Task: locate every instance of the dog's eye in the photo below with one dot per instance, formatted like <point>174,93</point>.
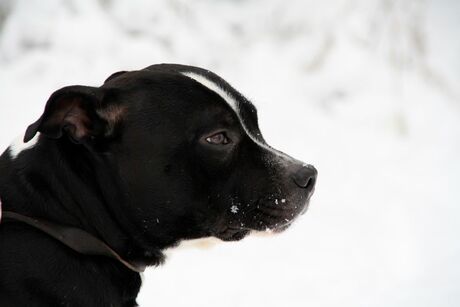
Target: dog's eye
<point>218,139</point>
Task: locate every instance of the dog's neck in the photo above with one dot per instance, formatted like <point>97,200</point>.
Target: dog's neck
<point>61,182</point>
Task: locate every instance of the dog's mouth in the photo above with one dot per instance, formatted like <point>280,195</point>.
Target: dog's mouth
<point>269,215</point>
<point>276,214</point>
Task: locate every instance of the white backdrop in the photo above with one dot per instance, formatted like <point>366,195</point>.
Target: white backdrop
<point>366,90</point>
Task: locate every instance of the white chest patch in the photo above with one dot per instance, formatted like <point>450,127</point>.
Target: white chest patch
<point>19,146</point>
<point>195,244</point>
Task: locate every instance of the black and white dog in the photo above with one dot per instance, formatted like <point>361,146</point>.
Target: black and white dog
<point>110,176</point>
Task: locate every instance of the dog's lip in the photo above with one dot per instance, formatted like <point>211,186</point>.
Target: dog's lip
<point>279,220</point>
<point>232,233</point>
<point>305,208</point>
<point>280,227</point>
<point>279,217</point>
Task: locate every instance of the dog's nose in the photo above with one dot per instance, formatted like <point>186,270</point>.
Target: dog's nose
<point>305,177</point>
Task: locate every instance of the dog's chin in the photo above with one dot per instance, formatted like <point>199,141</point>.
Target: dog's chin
<point>237,234</point>
<point>232,234</point>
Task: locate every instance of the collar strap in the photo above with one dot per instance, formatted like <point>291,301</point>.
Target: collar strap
<point>75,238</point>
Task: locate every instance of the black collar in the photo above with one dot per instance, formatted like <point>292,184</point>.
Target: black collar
<point>75,238</point>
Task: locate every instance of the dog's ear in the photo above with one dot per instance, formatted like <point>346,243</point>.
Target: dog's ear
<point>72,110</point>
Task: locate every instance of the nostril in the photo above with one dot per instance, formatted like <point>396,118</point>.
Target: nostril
<point>305,177</point>
<point>311,183</point>
<point>305,182</point>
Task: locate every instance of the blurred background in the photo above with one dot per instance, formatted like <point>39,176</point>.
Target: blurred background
<point>366,90</point>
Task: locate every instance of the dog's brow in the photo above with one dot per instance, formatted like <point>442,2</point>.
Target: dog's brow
<point>215,88</point>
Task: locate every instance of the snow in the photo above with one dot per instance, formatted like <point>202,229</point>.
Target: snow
<point>366,90</point>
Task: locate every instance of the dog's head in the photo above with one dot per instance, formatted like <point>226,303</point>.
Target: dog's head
<point>186,151</point>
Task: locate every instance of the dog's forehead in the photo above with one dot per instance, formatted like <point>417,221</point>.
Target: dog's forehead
<point>212,82</point>
<point>237,102</point>
<point>216,88</point>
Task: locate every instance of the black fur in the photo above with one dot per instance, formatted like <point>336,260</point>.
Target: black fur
<point>129,163</point>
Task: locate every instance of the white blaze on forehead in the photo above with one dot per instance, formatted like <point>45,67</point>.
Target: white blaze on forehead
<point>19,146</point>
<point>227,97</point>
<point>216,89</point>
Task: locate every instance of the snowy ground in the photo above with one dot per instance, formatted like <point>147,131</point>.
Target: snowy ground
<point>366,90</point>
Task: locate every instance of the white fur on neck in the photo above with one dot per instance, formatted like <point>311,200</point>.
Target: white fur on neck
<point>19,146</point>
<point>204,243</point>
